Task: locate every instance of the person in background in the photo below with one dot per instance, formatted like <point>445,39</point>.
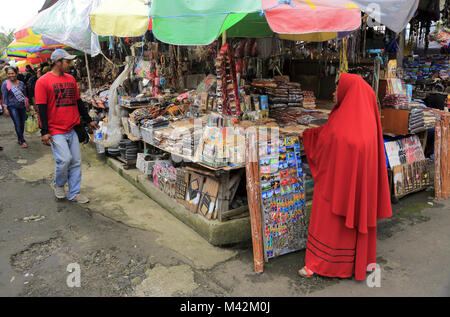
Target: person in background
<point>21,77</point>
<point>29,73</point>
<point>60,107</point>
<point>347,161</point>
<point>45,68</point>
<point>73,72</point>
<point>31,84</point>
<point>15,102</point>
<point>2,78</point>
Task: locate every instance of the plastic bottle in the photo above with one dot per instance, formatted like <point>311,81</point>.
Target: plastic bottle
<point>98,139</point>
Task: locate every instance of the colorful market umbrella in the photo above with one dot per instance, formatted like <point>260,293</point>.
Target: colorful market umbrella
<point>30,54</point>
<point>25,34</point>
<point>203,21</point>
<point>22,49</point>
<point>121,18</point>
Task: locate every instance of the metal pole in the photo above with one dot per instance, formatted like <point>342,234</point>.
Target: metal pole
<point>88,74</point>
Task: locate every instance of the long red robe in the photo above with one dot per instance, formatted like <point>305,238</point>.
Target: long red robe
<point>347,162</point>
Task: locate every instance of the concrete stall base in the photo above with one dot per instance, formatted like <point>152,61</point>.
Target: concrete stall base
<point>215,232</point>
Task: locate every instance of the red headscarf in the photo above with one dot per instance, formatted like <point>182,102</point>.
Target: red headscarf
<point>347,159</point>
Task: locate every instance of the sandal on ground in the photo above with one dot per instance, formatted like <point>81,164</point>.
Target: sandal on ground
<point>24,145</point>
<point>305,272</point>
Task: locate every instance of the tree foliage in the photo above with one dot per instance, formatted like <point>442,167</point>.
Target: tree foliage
<point>6,37</point>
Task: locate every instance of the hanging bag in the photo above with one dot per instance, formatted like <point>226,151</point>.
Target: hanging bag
<point>81,130</point>
<point>31,124</point>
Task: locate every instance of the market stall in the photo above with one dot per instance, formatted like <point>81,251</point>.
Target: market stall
<point>182,114</point>
<point>192,141</point>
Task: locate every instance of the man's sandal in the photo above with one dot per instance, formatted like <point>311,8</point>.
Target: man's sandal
<point>305,272</point>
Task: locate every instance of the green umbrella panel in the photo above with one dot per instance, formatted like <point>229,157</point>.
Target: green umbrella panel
<point>173,23</point>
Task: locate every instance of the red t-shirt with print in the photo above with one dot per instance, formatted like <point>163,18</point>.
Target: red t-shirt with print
<point>60,93</point>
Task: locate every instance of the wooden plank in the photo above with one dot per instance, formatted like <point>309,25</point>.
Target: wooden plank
<point>132,137</point>
<point>200,171</point>
<point>207,204</point>
<point>195,187</point>
<point>437,161</point>
<point>187,177</point>
<point>223,196</point>
<point>425,139</point>
<point>448,154</point>
<point>254,198</point>
<point>136,106</point>
<point>397,181</point>
<point>235,212</point>
<point>444,158</point>
<point>395,121</point>
<point>234,184</point>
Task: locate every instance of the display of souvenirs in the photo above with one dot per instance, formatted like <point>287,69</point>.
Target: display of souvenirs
<point>211,148</point>
<point>221,146</point>
<point>424,67</point>
<point>135,101</point>
<point>283,197</point>
<point>142,115</point>
<point>164,177</point>
<point>420,120</point>
<point>208,84</point>
<point>228,102</point>
<point>395,87</point>
<point>396,94</point>
<point>396,101</point>
<point>404,150</point>
<point>309,100</point>
<point>143,69</point>
<point>411,177</point>
<point>191,141</point>
<point>392,69</point>
<point>280,94</point>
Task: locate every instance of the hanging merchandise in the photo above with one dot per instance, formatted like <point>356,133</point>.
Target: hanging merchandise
<point>343,63</point>
<point>404,150</point>
<point>411,177</point>
<point>227,88</point>
<point>143,69</point>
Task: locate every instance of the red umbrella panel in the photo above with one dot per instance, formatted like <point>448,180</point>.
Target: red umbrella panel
<point>310,16</point>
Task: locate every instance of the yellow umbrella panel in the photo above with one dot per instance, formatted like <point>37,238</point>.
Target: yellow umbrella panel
<point>120,18</point>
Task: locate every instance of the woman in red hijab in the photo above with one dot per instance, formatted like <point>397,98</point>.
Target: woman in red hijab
<point>351,191</point>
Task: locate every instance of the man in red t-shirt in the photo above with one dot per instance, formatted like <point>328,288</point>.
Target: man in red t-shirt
<point>60,108</point>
